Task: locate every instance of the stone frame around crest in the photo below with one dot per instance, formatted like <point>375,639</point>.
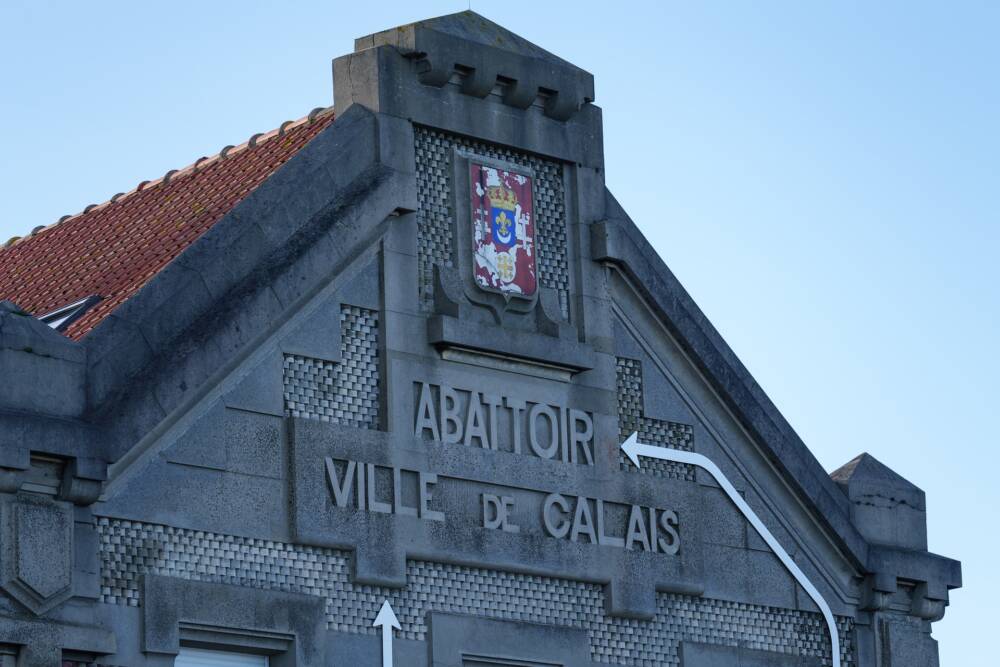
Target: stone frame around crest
<point>461,195</point>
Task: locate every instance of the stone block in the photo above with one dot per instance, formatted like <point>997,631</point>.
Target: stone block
<point>129,421</point>
<point>886,509</point>
<point>694,654</point>
<point>330,163</point>
<point>201,445</point>
<point>363,287</point>
<point>630,596</point>
<point>20,331</point>
<point>42,642</point>
<point>246,317</point>
<point>260,390</point>
<point>166,305</point>
<point>36,551</point>
<point>749,576</point>
<point>226,253</point>
<point>906,642</point>
<point>318,334</point>
<point>40,384</point>
<point>445,331</point>
<point>307,261</point>
<point>118,351</point>
<point>720,522</point>
<point>479,642</point>
<point>176,379</point>
<point>233,609</point>
<point>43,371</point>
<point>254,444</point>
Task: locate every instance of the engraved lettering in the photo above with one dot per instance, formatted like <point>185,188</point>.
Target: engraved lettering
<point>426,480</point>
<point>580,519</point>
<point>475,422</point>
<point>652,530</point>
<point>494,403</point>
<point>451,423</point>
<point>636,530</point>
<point>361,486</point>
<point>583,523</point>
<point>553,516</point>
<point>581,440</point>
<point>545,451</point>
<point>496,513</point>
<point>517,409</point>
<point>602,536</point>
<point>341,490</point>
<point>374,504</point>
<point>669,524</point>
<point>503,423</point>
<point>397,495</point>
<point>426,419</point>
<point>564,454</point>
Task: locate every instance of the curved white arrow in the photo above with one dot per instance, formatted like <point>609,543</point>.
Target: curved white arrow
<point>634,449</point>
<point>387,620</point>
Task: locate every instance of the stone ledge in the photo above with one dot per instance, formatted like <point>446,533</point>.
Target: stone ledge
<point>43,641</point>
<point>445,332</point>
<point>169,603</point>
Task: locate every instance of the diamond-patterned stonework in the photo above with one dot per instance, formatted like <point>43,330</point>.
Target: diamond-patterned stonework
<point>651,431</point>
<point>345,392</point>
<point>436,219</point>
<point>130,549</point>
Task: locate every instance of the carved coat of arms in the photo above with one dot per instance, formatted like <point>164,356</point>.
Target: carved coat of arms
<point>503,231</point>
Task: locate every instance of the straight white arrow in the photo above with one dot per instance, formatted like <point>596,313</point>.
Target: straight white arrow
<point>634,449</point>
<point>387,620</point>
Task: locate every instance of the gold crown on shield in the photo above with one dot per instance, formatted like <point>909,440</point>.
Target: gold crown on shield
<point>501,197</point>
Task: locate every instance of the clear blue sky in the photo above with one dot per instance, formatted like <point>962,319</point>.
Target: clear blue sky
<point>823,177</point>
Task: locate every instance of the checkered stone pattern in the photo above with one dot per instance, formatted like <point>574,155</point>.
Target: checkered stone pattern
<point>131,549</point>
<point>651,431</point>
<point>436,219</point>
<point>344,392</point>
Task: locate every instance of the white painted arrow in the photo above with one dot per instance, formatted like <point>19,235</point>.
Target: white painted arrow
<point>387,620</point>
<point>634,449</point>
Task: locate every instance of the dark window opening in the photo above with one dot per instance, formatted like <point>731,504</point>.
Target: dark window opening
<point>60,318</point>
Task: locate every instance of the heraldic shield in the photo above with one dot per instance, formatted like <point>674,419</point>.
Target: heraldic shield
<point>503,231</point>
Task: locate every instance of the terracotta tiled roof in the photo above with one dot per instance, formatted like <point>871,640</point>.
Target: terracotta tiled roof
<point>113,249</point>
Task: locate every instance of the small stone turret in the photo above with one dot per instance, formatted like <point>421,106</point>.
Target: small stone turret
<point>465,73</point>
<point>886,509</point>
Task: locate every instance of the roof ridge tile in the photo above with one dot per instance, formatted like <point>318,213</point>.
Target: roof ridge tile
<point>226,152</point>
<point>114,248</point>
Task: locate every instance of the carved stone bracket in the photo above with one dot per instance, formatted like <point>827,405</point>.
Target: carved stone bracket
<point>83,480</point>
<point>928,604</point>
<point>877,591</point>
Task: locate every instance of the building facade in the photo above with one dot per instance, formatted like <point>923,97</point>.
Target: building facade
<point>401,381</point>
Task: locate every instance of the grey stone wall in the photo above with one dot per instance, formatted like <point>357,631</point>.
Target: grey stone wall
<point>222,483</point>
<point>436,220</point>
<point>344,392</point>
<point>131,549</point>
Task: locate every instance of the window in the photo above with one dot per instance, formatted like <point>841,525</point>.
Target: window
<point>198,657</point>
<point>60,318</point>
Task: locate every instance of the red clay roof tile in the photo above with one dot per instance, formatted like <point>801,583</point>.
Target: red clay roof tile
<point>112,250</point>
